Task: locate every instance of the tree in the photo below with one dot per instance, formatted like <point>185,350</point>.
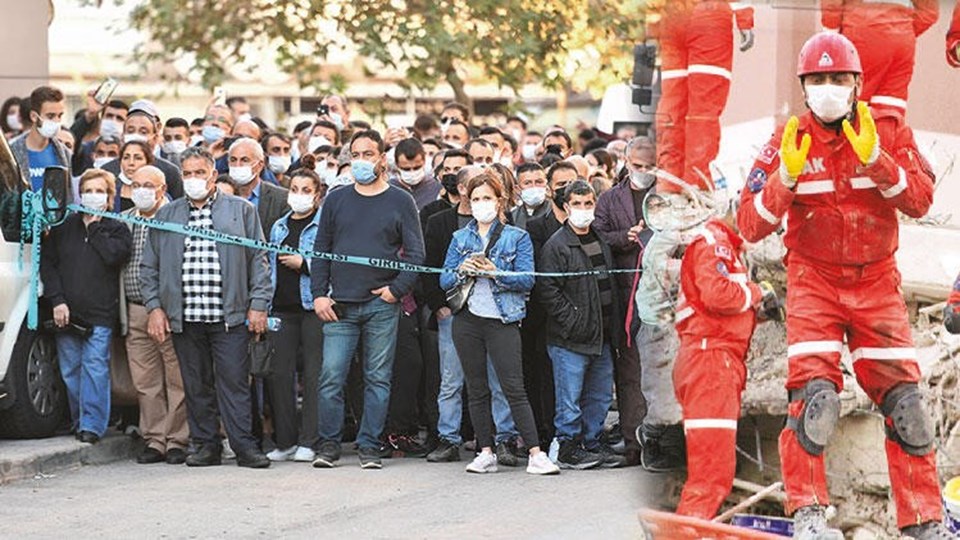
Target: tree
<point>577,44</point>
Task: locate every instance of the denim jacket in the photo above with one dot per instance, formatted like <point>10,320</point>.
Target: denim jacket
<point>513,252</point>
<point>278,234</point>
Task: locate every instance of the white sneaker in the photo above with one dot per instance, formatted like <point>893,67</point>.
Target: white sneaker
<point>282,455</point>
<point>227,452</point>
<point>539,463</point>
<point>304,453</point>
<point>484,463</point>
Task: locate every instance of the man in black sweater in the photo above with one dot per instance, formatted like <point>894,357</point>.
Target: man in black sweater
<point>369,219</point>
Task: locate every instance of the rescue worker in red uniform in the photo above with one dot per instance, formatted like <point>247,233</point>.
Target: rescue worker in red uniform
<point>885,33</point>
<point>696,58</point>
<point>953,38</point>
<point>715,319</point>
<point>842,172</point>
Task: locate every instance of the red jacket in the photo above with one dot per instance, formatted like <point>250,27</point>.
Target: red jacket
<point>953,37</point>
<point>716,300</point>
<point>657,9</point>
<point>839,15</point>
<point>839,213</point>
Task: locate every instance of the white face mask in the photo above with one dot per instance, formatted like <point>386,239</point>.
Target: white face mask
<point>642,180</point>
<point>134,137</point>
<point>144,198</point>
<point>454,144</point>
<point>412,178</point>
<point>196,188</point>
<point>241,175</point>
<point>300,203</point>
<point>329,176</point>
<point>533,196</point>
<point>174,147</point>
<point>529,152</point>
<point>279,164</point>
<point>94,201</point>
<point>99,162</point>
<point>829,102</point>
<point>317,142</point>
<point>124,179</point>
<point>484,211</point>
<point>580,218</point>
<point>196,139</point>
<point>243,117</point>
<point>13,120</point>
<point>342,180</point>
<point>49,128</point>
<point>507,161</point>
<point>337,120</point>
<point>110,128</point>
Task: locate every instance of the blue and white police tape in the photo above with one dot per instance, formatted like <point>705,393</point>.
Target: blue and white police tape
<point>36,221</point>
<point>33,221</point>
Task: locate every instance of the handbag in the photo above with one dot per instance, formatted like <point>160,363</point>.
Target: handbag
<point>457,297</point>
<point>260,352</point>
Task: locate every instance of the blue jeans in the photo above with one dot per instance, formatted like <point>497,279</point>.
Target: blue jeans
<point>450,398</point>
<point>584,386</point>
<point>375,322</point>
<point>85,367</point>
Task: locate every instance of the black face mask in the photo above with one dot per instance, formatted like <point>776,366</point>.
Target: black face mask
<point>559,196</point>
<point>554,149</point>
<point>449,183</point>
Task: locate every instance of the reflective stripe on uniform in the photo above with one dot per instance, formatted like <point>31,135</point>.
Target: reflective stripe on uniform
<point>738,277</point>
<point>814,347</point>
<point>748,296</point>
<point>862,182</point>
<point>684,313</point>
<point>672,74</point>
<point>706,69</point>
<point>762,211</point>
<point>710,423</point>
<point>889,101</point>
<point>897,189</point>
<point>711,240</point>
<point>884,353</point>
<point>815,187</point>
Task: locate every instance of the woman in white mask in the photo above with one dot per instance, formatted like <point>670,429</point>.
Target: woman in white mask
<point>80,268</point>
<point>10,122</point>
<point>300,329</point>
<point>486,326</point>
<point>133,156</point>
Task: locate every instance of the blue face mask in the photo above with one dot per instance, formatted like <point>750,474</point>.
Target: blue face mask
<point>212,134</point>
<point>337,120</point>
<point>364,172</point>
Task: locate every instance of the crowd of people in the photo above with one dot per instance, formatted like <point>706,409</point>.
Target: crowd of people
<point>555,294</point>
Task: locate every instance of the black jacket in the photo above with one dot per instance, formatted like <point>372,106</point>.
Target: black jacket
<point>540,230</point>
<point>80,266</point>
<point>573,303</point>
<point>436,238</point>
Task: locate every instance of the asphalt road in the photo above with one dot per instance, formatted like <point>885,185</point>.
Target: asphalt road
<point>409,498</point>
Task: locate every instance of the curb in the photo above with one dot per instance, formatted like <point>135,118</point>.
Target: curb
<point>27,459</point>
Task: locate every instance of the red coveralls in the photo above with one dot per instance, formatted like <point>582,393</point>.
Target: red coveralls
<point>715,320</point>
<point>696,40</point>
<point>842,280</point>
<point>885,34</point>
<point>953,37</point>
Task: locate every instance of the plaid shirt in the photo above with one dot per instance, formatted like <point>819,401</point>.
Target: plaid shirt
<point>202,284</point>
<point>131,275</point>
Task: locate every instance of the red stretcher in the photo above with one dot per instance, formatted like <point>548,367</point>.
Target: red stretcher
<point>666,526</point>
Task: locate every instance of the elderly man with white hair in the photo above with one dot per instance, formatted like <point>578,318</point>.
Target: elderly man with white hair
<point>246,160</point>
<point>154,366</point>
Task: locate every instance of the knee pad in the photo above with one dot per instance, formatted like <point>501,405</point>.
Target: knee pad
<point>819,417</point>
<point>909,424</point>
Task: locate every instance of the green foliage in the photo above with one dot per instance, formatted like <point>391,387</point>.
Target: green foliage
<point>576,44</point>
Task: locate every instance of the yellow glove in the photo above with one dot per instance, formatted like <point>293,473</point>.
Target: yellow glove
<point>792,159</point>
<point>866,143</point>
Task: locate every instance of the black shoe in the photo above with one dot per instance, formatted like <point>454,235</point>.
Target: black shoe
<point>520,452</point>
<point>504,456</point>
<point>663,448</point>
<point>446,452</point>
<point>328,455</point>
<point>88,437</point>
<point>207,456</point>
<point>931,530</point>
<point>176,456</point>
<point>370,458</point>
<point>611,459</point>
<point>574,456</point>
<point>252,459</point>
<point>406,446</point>
<point>150,455</point>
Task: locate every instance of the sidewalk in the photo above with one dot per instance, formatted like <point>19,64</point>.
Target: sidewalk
<point>23,459</point>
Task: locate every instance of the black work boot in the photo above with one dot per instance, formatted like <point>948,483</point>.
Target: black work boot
<point>663,448</point>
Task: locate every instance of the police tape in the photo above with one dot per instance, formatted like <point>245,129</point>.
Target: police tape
<point>387,264</point>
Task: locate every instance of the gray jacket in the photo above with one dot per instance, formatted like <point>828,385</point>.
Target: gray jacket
<point>245,272</point>
<point>19,148</point>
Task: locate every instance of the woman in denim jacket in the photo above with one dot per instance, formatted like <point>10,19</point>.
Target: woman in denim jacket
<point>488,325</point>
<point>300,329</point>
